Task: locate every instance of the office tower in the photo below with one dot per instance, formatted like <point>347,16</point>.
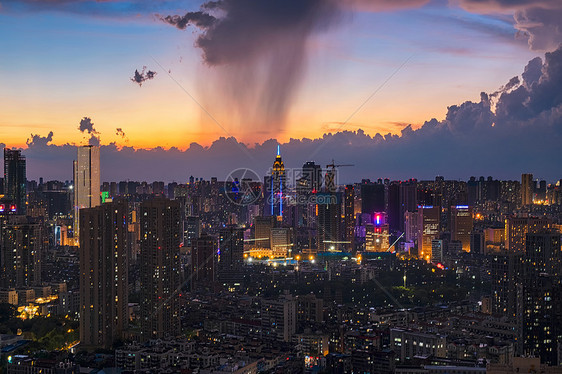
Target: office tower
<point>411,228</point>
<point>279,318</point>
<point>86,182</point>
<point>281,241</point>
<point>461,225</point>
<point>231,254</point>
<point>104,282</point>
<point>15,181</point>
<point>372,198</point>
<point>349,217</point>
<point>262,231</point>
<point>329,235</point>
<point>274,188</point>
<point>408,199</point>
<point>160,268</point>
<point>204,262</point>
<point>22,241</point>
<point>429,218</point>
<point>516,229</point>
<point>506,270</point>
<point>527,189</point>
<point>542,290</point>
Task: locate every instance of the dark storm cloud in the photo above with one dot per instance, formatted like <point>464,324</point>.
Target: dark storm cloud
<point>143,76</point>
<point>199,19</point>
<point>259,51</point>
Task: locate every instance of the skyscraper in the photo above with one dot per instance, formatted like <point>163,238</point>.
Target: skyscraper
<point>349,216</point>
<point>15,180</point>
<point>461,225</point>
<point>527,189</point>
<point>103,274</point>
<point>429,226</point>
<point>274,186</point>
<point>329,222</point>
<point>86,182</point>
<point>160,268</point>
<point>372,198</point>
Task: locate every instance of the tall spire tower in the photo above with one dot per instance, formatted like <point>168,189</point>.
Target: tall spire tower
<point>277,186</point>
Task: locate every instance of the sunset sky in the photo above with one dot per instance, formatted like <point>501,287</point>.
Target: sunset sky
<point>242,72</point>
<point>66,61</point>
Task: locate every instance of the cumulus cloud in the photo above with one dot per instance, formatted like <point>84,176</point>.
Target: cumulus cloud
<point>119,132</point>
<point>87,126</point>
<point>539,20</point>
<point>143,76</point>
<point>524,132</point>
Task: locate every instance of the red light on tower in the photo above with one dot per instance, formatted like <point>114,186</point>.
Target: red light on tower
<point>12,208</point>
<point>2,207</point>
<point>378,219</point>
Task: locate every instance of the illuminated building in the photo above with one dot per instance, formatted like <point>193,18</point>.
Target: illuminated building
<point>204,258</point>
<point>160,268</point>
<point>461,225</point>
<point>311,180</point>
<point>104,285</point>
<point>429,218</point>
<point>281,243</point>
<point>262,231</point>
<point>86,182</point>
<point>527,189</point>
<point>542,285</point>
<point>505,275</point>
<point>15,181</point>
<point>516,229</point>
<point>274,188</point>
<point>437,251</point>
<point>22,240</point>
<point>376,234</point>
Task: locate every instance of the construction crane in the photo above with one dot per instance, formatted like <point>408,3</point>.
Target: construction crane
<point>333,165</point>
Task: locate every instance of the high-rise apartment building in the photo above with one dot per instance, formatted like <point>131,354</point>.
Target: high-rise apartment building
<point>15,181</point>
<point>22,240</point>
<point>516,229</point>
<point>231,255</point>
<point>204,257</point>
<point>542,297</point>
<point>104,282</point>
<point>86,182</point>
<point>160,226</point>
